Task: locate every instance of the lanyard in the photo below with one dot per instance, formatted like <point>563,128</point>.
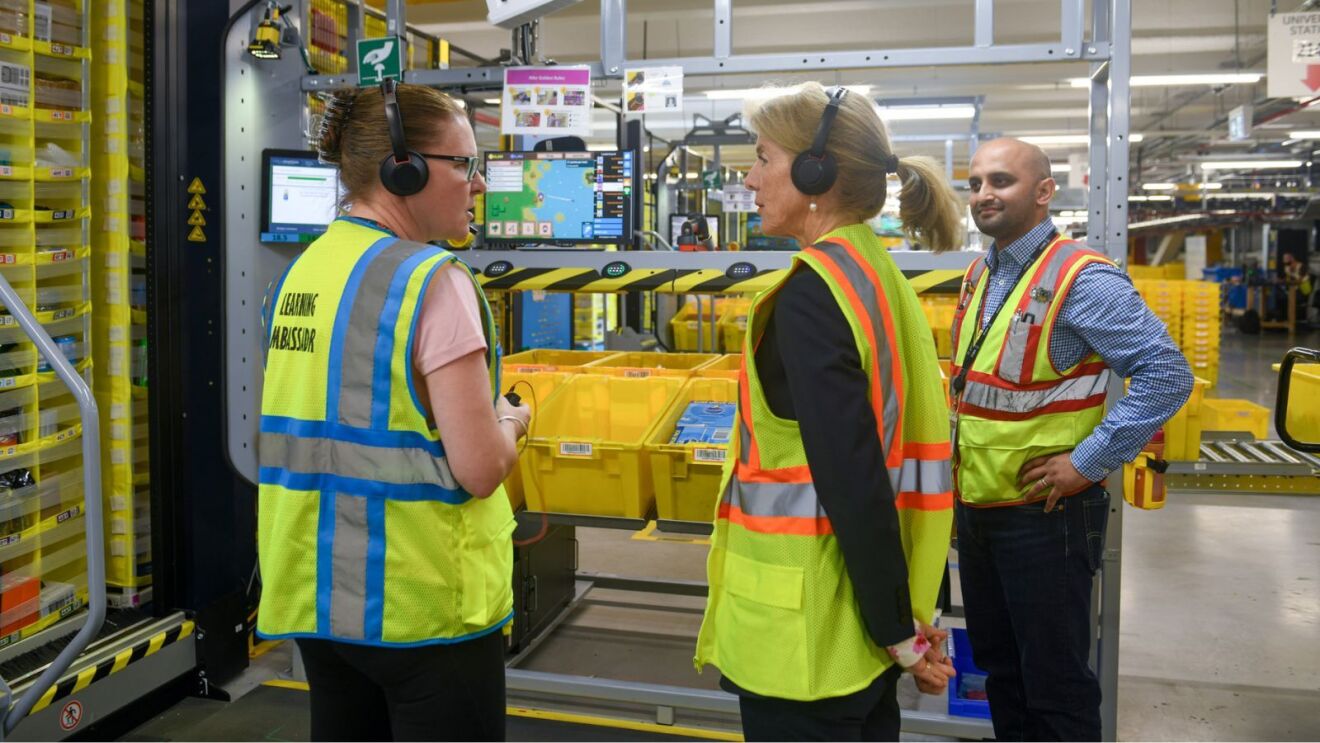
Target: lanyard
<point>983,330</point>
<point>369,223</point>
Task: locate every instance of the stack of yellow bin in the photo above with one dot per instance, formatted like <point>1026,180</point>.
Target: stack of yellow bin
<point>1164,299</point>
<point>1201,327</point>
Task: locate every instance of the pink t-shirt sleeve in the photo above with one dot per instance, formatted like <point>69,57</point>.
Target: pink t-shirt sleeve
<point>449,327</point>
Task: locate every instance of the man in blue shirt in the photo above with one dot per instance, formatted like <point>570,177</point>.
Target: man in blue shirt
<point>1026,569</point>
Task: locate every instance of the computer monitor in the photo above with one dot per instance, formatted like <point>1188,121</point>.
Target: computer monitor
<point>299,198</point>
<point>559,197</point>
<point>676,227</point>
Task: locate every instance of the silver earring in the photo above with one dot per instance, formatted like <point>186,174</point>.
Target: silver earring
<point>812,206</point>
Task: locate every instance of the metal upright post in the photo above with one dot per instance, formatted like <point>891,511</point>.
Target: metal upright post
<point>613,36</point>
<point>723,28</point>
<point>396,18</point>
<point>1115,234</point>
<point>948,159</point>
<point>985,23</point>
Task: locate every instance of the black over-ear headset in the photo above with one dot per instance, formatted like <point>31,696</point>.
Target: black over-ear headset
<point>814,171</point>
<point>403,172</point>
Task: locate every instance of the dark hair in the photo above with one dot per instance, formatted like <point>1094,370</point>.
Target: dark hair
<point>355,135</point>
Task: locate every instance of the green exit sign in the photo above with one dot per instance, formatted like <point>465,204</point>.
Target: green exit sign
<point>379,59</point>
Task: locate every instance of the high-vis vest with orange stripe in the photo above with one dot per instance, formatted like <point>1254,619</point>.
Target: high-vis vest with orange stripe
<point>781,617</point>
<point>1016,405</point>
<point>363,533</point>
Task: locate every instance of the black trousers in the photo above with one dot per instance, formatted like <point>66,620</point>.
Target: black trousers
<point>868,715</point>
<point>433,692</point>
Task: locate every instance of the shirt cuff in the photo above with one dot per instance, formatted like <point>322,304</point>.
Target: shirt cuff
<point>1087,460</point>
<point>908,652</point>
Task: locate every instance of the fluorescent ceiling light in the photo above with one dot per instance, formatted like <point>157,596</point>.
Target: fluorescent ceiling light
<point>1166,221</point>
<point>1158,186</point>
<point>1305,134</point>
<point>926,113</point>
<point>1211,186</point>
<point>1157,197</point>
<point>761,94</point>
<point>1166,81</point>
<point>1060,168</point>
<point>491,101</point>
<point>1250,164</point>
<point>1263,195</point>
<point>1046,140</point>
<point>602,147</point>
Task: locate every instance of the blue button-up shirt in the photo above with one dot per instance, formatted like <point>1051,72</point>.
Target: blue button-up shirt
<point>1103,314</point>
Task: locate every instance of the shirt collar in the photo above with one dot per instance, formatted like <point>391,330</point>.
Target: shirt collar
<point>1019,252</point>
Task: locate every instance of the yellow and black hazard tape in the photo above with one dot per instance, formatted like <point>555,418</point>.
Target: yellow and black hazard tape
<point>123,659</point>
<point>678,281</point>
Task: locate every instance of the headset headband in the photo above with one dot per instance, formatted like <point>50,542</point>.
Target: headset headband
<point>826,119</point>
<point>394,116</point>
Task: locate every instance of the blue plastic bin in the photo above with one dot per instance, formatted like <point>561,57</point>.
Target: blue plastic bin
<point>1221,274</point>
<point>969,679</point>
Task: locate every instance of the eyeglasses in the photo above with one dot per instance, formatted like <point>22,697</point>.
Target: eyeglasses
<point>472,163</point>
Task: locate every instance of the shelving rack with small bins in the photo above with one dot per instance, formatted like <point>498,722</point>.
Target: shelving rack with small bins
<point>119,324</point>
<point>45,213</point>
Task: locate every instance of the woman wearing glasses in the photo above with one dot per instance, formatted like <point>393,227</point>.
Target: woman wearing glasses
<point>384,533</point>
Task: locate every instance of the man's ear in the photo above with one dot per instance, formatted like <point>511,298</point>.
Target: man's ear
<point>1045,191</point>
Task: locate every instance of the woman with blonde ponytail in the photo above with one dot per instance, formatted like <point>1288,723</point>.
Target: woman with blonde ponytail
<point>833,526</point>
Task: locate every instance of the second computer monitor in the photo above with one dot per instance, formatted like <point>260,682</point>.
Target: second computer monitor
<point>559,197</point>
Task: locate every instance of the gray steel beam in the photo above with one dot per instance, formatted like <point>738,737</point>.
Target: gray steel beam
<point>723,28</point>
<point>613,36</point>
<point>754,63</point>
<point>1071,26</point>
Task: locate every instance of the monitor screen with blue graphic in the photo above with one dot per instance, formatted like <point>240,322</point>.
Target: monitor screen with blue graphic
<point>559,197</point>
<point>300,197</point>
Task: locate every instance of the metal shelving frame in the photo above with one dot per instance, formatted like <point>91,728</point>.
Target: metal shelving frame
<point>1107,50</point>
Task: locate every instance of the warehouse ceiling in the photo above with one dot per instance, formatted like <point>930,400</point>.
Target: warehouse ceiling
<point>1179,124</point>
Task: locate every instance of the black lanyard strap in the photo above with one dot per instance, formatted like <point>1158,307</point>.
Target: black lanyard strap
<point>982,330</point>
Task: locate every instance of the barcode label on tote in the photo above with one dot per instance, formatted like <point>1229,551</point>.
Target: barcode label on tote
<point>708,455</point>
<point>636,373</point>
<point>567,449</point>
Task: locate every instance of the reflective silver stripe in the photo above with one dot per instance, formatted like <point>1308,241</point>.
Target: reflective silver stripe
<point>1003,400</point>
<point>929,477</point>
<point>348,592</point>
<point>868,293</point>
<point>359,350</point>
<point>744,442</point>
<point>399,466</point>
<point>793,500</point>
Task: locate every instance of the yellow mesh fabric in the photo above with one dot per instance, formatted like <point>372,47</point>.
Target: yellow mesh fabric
<point>288,573</point>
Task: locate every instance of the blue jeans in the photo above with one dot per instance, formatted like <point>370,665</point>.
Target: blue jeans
<point>1026,584</point>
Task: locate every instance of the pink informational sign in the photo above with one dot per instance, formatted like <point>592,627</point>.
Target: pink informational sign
<point>547,101</point>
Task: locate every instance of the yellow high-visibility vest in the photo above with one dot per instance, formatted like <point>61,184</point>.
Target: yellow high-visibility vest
<point>782,619</point>
<point>364,535</point>
<point>1015,405</point>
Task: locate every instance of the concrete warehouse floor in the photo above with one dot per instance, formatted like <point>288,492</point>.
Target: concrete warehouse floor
<point>1220,610</point>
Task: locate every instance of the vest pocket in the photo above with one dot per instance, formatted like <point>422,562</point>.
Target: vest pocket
<point>1019,358</point>
<point>761,628</point>
<point>487,560</point>
<point>991,454</point>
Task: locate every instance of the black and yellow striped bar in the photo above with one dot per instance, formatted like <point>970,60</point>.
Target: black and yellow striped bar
<point>679,273</point>
<point>110,666</point>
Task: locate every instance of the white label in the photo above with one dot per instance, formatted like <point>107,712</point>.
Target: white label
<point>6,170</point>
<point>41,29</point>
<point>567,449</point>
<point>708,455</point>
<point>118,456</point>
<point>636,373</point>
<point>118,334</point>
<point>61,172</point>
<point>113,260</point>
<point>118,410</point>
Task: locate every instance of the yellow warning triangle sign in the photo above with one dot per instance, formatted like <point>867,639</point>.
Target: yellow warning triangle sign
<point>197,220</point>
<point>196,186</point>
<point>197,236</point>
<point>197,202</point>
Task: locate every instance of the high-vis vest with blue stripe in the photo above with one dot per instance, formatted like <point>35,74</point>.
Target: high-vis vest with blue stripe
<point>364,535</point>
<point>781,618</point>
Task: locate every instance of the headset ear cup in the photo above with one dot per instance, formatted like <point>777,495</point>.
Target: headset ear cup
<point>406,178</point>
<point>813,176</point>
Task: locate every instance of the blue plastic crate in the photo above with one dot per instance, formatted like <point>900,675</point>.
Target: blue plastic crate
<point>969,679</point>
<point>1221,274</point>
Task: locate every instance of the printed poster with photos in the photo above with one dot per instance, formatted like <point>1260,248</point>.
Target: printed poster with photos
<point>651,90</point>
<point>547,101</point>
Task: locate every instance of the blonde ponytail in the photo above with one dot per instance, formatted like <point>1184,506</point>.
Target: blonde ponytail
<point>928,207</point>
